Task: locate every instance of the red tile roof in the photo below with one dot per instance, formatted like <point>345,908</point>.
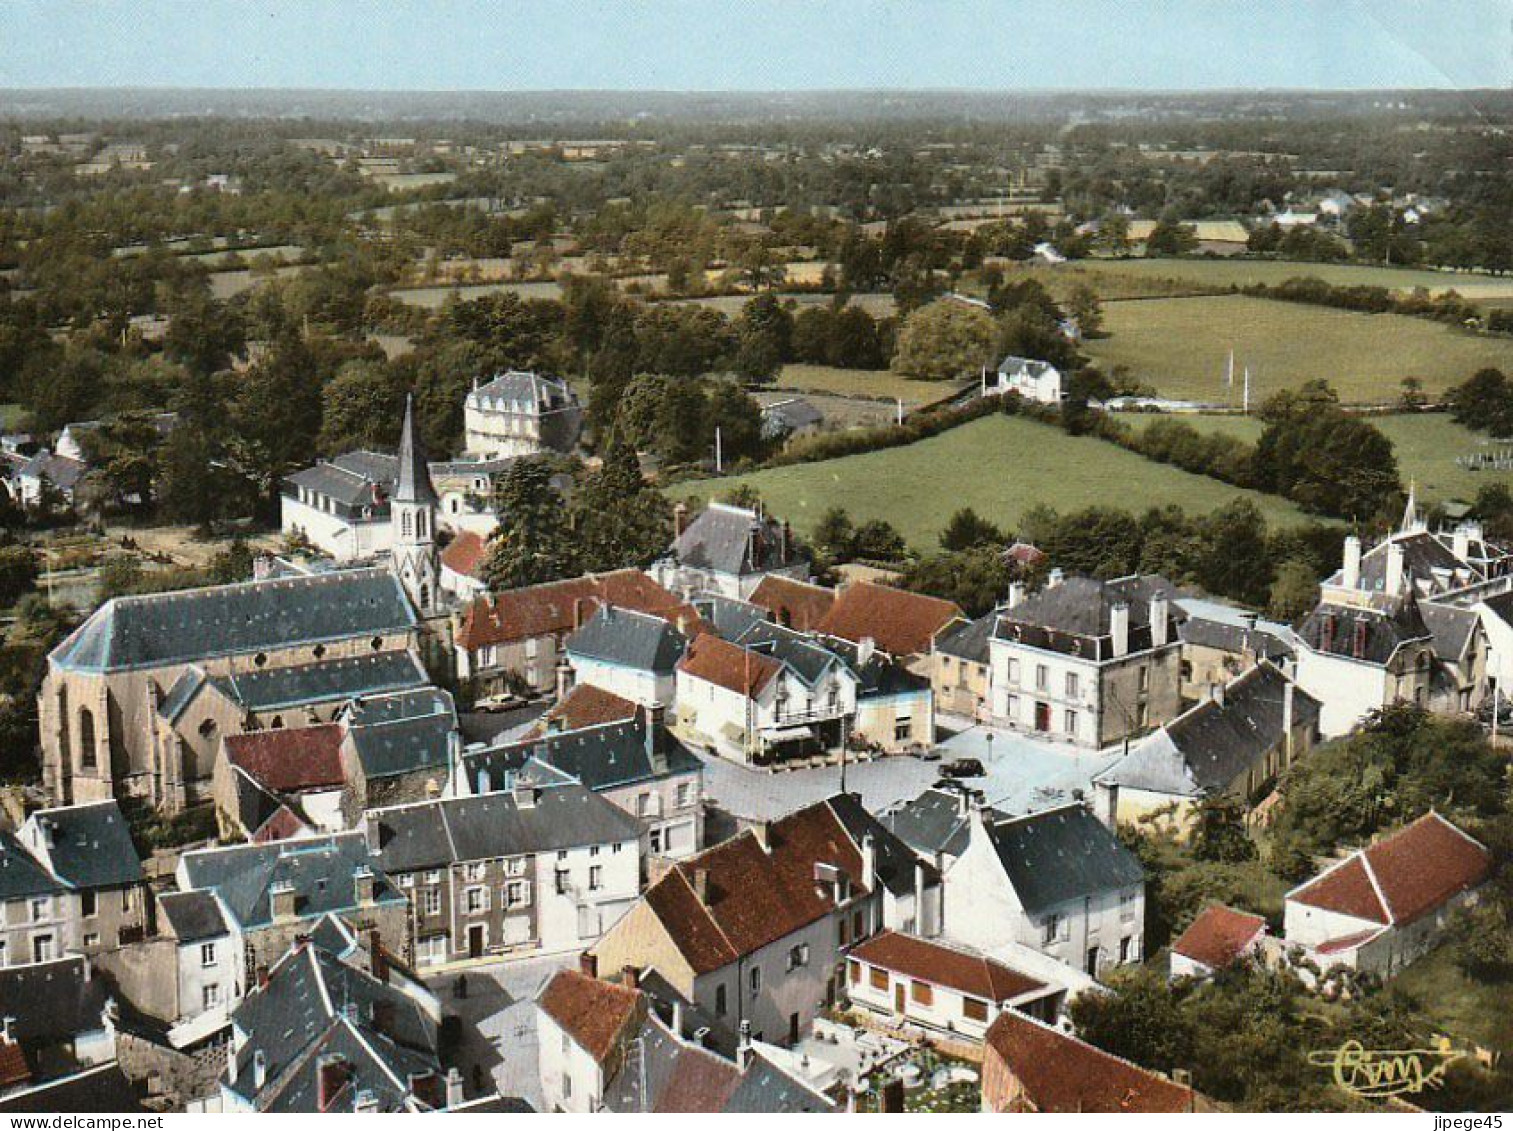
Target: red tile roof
<point>729,666</point>
<point>795,604</point>
<point>699,1082</point>
<point>595,1014</point>
<point>899,622</point>
<point>753,895</point>
<point>288,761</point>
<point>946,966</point>
<point>1059,1073</point>
<point>1402,877</point>
<point>13,1066</point>
<point>587,706</point>
<point>559,607</point>
<point>465,553</point>
<point>283,825</point>
<point>1219,935</point>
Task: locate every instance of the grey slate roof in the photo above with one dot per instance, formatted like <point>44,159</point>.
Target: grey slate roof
<point>896,863</point>
<point>522,392</point>
<point>790,416</point>
<point>629,639</point>
<point>1060,855</point>
<point>934,822</point>
<point>253,616</point>
<point>720,539</point>
<point>879,677</point>
<point>600,757</point>
<point>968,640</point>
<point>1426,559</point>
<point>1372,635</point>
<point>62,472</point>
<point>402,732</point>
<point>319,868</point>
<point>342,484</point>
<point>809,659</point>
<point>182,692</point>
<point>434,834</point>
<point>193,915</point>
<point>731,619</point>
<point>1210,746</point>
<point>1075,616</point>
<point>21,874</point>
<point>91,845</point>
<point>52,1002</point>
<point>315,1003</point>
<point>325,681</point>
<point>101,1089</point>
<point>414,478</point>
<point>1452,628</point>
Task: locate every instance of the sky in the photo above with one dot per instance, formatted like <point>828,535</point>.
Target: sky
<point>757,44</point>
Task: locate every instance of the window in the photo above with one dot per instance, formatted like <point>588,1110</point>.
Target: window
<point>1145,678</point>
<point>515,867</point>
<point>476,900</point>
<point>567,1086</point>
<point>596,877</point>
<point>798,956</point>
<point>319,651</point>
<point>91,940</point>
<point>855,970</point>
<point>643,804</point>
<point>87,904</point>
<point>1126,948</point>
<point>858,925</point>
<point>1042,677</point>
<point>407,880</point>
<point>755,980</point>
<point>719,1001</point>
<point>593,850</point>
<point>207,728</point>
<point>433,876</point>
<point>843,931</point>
<point>1013,671</point>
<point>1051,928</point>
<point>1126,906</point>
<point>2,952</point>
<point>532,648</point>
<point>475,870</point>
<point>878,978</point>
<point>922,992</point>
<point>685,794</point>
<point>261,659</point>
<point>42,948</point>
<point>1071,685</point>
<point>561,881</point>
<point>86,739</point>
<point>517,893</point>
<point>1070,722</point>
<point>210,996</point>
<point>207,954</point>
<point>903,729</point>
<point>654,841</point>
<point>973,1009</point>
<point>432,902</point>
<point>41,908</point>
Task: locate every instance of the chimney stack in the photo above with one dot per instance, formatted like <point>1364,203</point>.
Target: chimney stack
<point>1461,542</point>
<point>1054,578</point>
<point>1287,717</point>
<point>363,883</point>
<point>743,1046</point>
<point>377,956</point>
<point>1393,586</point>
<point>630,977</point>
<point>1119,629</point>
<point>869,862</point>
<point>1352,571</point>
<point>1216,692</point>
<point>454,1087</point>
<point>1016,594</point>
<point>1160,614</point>
<point>588,964</point>
<point>701,885</point>
<point>282,896</point>
<point>679,519</point>
<point>259,1070</point>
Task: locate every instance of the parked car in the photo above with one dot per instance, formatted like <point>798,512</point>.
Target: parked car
<point>498,704</point>
<point>963,768</point>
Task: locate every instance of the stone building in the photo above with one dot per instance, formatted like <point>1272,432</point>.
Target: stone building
<point>520,414</point>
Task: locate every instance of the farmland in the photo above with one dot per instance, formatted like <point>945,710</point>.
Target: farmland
<point>1218,274</point>
<point>1000,466</point>
<point>1426,445</point>
<point>881,383</point>
<point>1179,347</point>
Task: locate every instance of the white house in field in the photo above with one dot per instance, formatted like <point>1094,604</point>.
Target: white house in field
<point>1031,379</point>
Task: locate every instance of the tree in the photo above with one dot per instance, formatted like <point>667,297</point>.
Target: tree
<point>878,540</point>
<point>1171,238</point>
<point>1218,832</point>
<point>1484,402</point>
<point>124,453</point>
<point>945,341</point>
<point>1294,591</point>
<point>361,408</point>
<point>1083,305</point>
<point>18,573</point>
<point>618,517</point>
<point>534,541</point>
<point>1323,458</point>
<point>976,578</point>
<point>967,529</point>
<point>834,534</point>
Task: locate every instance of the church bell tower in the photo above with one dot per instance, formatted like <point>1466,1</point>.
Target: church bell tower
<point>412,513</point>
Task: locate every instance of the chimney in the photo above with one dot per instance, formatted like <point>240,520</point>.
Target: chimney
<point>259,1070</point>
<point>1054,578</point>
<point>1287,716</point>
<point>1352,573</point>
<point>1106,804</point>
<point>588,964</point>
<point>963,801</point>
<point>363,883</point>
<point>1216,692</point>
<point>743,1045</point>
<point>1160,614</point>
<point>377,955</point>
<point>865,650</point>
<point>679,519</point>
<point>677,1016</point>
<point>1462,542</point>
<point>919,899</point>
<point>454,1087</point>
<point>630,977</point>
<point>262,977</point>
<point>785,537</point>
<point>1119,629</point>
<point>1016,594</point>
<point>701,885</point>
<point>564,679</point>
<point>281,896</point>
<point>1394,582</point>
<point>869,862</point>
<point>656,745</point>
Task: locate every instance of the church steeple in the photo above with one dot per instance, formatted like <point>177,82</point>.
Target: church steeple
<point>412,519</point>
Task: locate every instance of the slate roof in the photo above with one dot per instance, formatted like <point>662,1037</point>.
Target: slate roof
<point>99,1090</point>
<point>937,821</point>
<point>1371,635</point>
<point>797,604</point>
<point>52,1002</point>
<point>1451,627</point>
<point>1402,877</point>
<point>1060,1073</point>
<point>1218,936</point>
<point>968,640</point>
<point>733,540</point>
<point>1075,615</point>
<point>879,677</point>
<point>728,665</point>
<point>598,1015</point>
<point>926,960</point>
<point>413,479</point>
<point>90,846</point>
<point>629,639</point>
<point>62,472</point>
<point>521,391</point>
<point>433,834</point>
<point>192,915</point>
<point>726,616</point>
<point>319,868</point>
<point>757,895</point>
<point>166,628</point>
<point>325,681</point>
<point>1426,561</point>
<point>606,756</point>
<point>1212,625</point>
<point>403,732</point>
<point>806,657</point>
<point>21,874</point>
<point>1210,746</point>
<point>558,607</point>
<point>315,1006</point>
<point>901,623</point>
<point>791,415</point>
<point>290,760</point>
<point>344,485</point>
<point>1060,855</point>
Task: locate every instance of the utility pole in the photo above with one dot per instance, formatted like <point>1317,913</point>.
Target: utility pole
<point>719,462</point>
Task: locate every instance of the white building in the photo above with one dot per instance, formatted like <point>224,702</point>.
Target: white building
<point>208,954</point>
<point>1034,380</point>
<point>520,414</point>
<point>727,550</point>
<point>631,654</point>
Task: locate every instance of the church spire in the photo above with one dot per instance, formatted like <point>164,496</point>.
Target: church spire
<point>413,482</point>
<point>1411,520</point>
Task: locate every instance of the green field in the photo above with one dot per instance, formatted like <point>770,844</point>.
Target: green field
<point>999,466</point>
<point>1180,346</point>
<point>1220,273</point>
<point>1426,446</point>
<point>862,383</point>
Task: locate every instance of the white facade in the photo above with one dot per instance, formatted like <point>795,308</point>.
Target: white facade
<point>341,539</point>
<point>1034,380</point>
<point>598,885</point>
<point>1347,689</point>
<point>1023,677</point>
<point>738,727</point>
<point>571,1079</point>
<point>639,685</point>
<point>210,985</point>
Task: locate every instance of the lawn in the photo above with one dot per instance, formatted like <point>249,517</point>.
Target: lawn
<point>883,383</point>
<point>1180,347</point>
<point>1426,443</point>
<point>1468,1010</point>
<point>1000,466</point>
